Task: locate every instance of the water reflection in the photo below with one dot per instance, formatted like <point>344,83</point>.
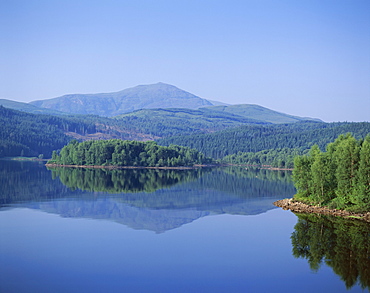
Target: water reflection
<point>344,245</point>
<point>123,180</point>
<point>155,200</point>
<point>27,181</point>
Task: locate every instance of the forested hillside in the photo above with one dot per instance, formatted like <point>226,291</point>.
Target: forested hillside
<point>180,121</point>
<point>25,134</point>
<point>255,138</point>
<point>215,133</point>
<point>275,158</point>
<point>259,113</point>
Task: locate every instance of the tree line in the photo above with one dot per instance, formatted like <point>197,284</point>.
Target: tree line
<point>339,177</point>
<point>256,138</point>
<point>118,152</point>
<point>278,158</point>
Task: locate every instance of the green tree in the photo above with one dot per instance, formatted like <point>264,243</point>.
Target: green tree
<point>302,176</point>
<point>321,184</point>
<point>361,194</point>
<point>347,158</point>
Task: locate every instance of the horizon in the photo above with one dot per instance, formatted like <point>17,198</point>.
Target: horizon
<point>306,58</point>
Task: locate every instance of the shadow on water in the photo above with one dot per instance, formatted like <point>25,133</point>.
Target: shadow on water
<point>156,200</point>
<point>344,245</point>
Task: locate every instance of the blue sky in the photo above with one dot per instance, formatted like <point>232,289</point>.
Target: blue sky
<point>306,58</point>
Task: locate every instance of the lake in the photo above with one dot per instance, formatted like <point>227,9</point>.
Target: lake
<point>140,230</point>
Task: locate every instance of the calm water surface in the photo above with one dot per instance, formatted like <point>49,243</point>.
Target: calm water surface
<point>212,230</point>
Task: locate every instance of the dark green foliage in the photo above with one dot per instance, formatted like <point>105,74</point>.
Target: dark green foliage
<point>339,177</point>
<point>127,153</point>
<point>255,138</point>
<point>172,122</point>
<point>344,245</point>
<point>32,135</point>
<point>278,158</point>
<point>28,135</point>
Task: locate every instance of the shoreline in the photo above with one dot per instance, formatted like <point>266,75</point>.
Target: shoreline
<point>299,207</point>
<point>125,167</point>
<point>263,167</point>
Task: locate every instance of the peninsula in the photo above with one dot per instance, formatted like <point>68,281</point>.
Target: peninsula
<point>335,182</point>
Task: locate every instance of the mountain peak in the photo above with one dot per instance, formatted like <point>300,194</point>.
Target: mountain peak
<point>158,95</point>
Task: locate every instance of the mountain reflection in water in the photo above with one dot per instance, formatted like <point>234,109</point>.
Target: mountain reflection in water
<point>155,200</point>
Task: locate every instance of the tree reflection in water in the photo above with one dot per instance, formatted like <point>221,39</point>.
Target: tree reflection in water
<point>123,180</point>
<point>343,244</point>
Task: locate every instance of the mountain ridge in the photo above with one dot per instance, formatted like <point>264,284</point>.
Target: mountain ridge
<point>159,95</point>
<point>260,113</point>
<point>28,108</point>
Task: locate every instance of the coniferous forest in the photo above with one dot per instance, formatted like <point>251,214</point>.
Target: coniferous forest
<point>26,134</point>
<point>338,177</point>
<point>256,138</point>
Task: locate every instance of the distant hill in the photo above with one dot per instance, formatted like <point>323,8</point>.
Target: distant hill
<point>25,107</point>
<point>154,96</point>
<point>159,95</point>
<point>180,121</point>
<point>260,113</point>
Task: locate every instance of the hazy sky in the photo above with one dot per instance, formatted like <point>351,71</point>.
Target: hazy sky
<point>301,57</point>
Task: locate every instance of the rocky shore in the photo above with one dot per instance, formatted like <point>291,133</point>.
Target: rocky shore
<point>299,207</point>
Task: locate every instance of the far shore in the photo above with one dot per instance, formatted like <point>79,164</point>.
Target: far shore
<point>265,167</point>
<point>299,207</point>
<point>111,167</point>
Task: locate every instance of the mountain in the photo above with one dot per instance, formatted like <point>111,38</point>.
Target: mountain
<point>154,96</point>
<point>259,113</point>
<point>25,107</point>
<point>159,95</point>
